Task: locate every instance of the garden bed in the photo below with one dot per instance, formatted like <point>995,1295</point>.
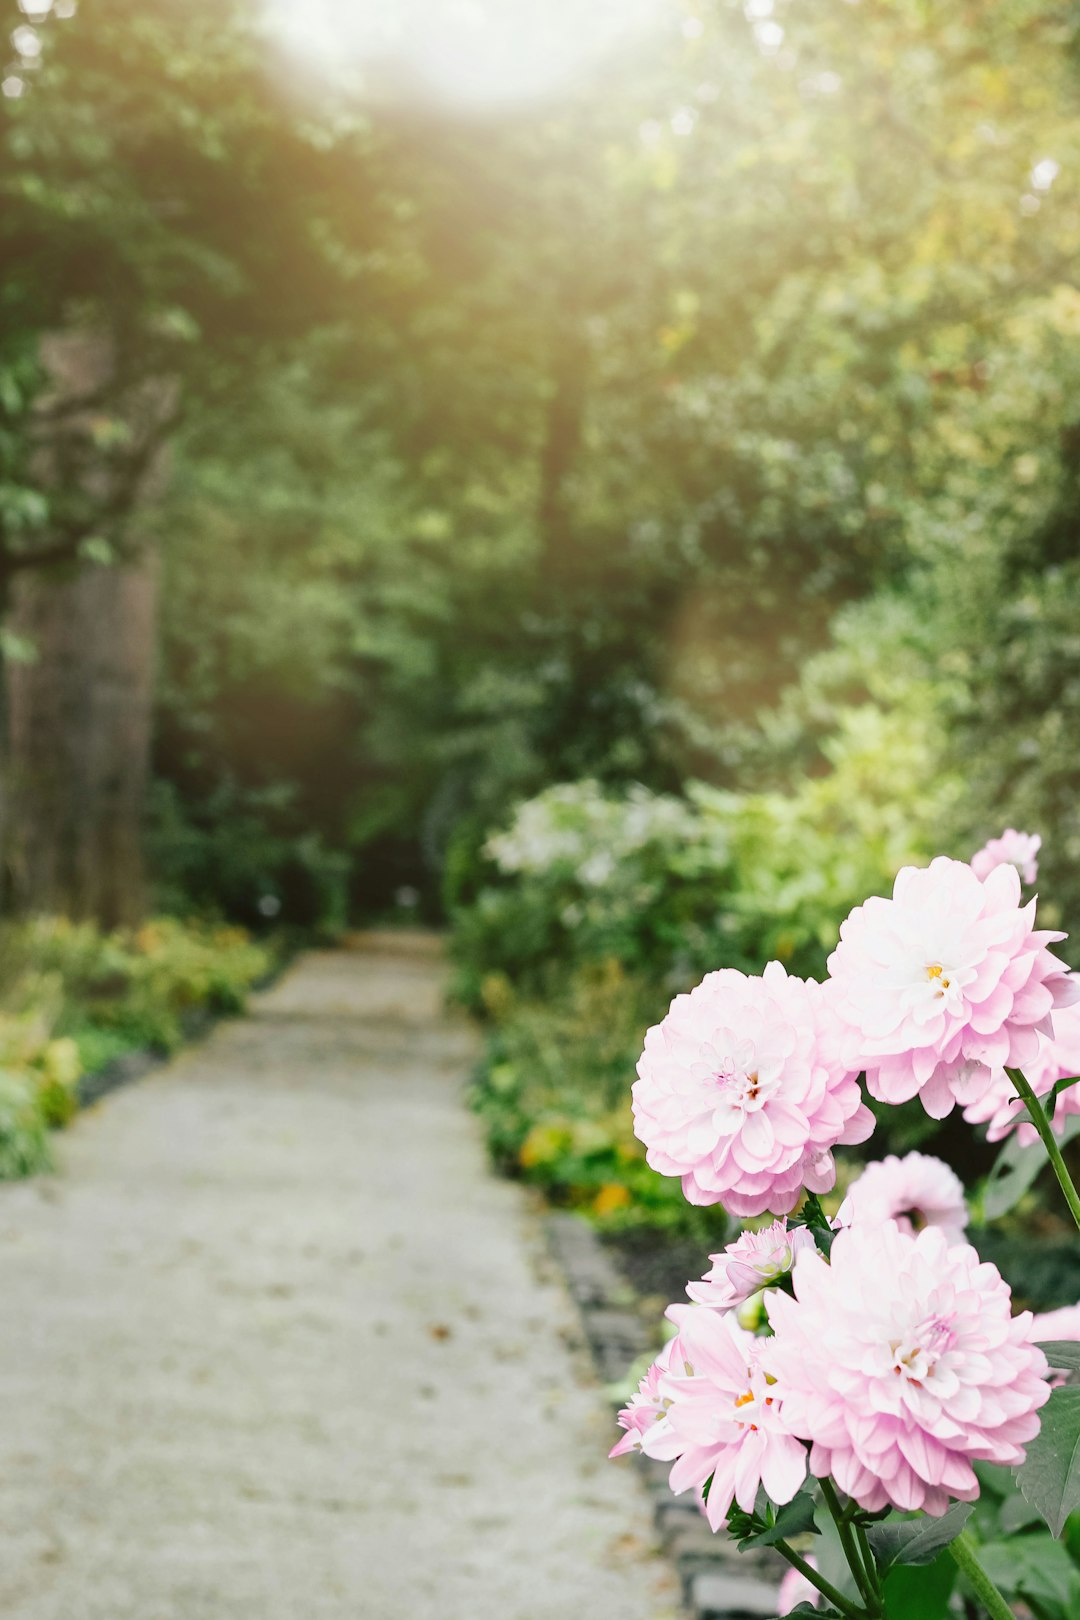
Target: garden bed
<point>82,1012</point>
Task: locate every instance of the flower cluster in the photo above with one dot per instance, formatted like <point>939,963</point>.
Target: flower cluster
<point>886,1356</point>
<point>891,1366</point>
<point>577,826</point>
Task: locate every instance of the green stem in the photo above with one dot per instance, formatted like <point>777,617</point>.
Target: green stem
<point>851,1550</point>
<point>869,1562</point>
<point>967,1561</point>
<point>1049,1140</point>
<point>826,1588</point>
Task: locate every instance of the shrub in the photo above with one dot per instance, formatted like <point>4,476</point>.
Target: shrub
<point>24,1147</point>
<point>72,999</point>
<point>134,985</point>
<point>552,1091</point>
<point>672,887</point>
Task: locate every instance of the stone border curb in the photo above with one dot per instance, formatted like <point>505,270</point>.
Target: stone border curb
<point>717,1582</point>
<point>132,1066</point>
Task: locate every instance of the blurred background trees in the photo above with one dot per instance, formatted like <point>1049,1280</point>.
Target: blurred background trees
<point>650,426</point>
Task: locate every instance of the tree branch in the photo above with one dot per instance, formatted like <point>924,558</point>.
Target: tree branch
<point>67,538</point>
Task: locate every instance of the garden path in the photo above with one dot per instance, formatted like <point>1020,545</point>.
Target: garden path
<point>278,1347</point>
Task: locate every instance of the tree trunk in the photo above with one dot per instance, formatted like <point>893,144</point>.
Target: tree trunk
<point>79,715</point>
<point>80,741</point>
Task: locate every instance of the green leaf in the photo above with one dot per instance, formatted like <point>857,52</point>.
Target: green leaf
<point>815,1219</point>
<point>1017,1168</point>
<point>916,1541</point>
<point>95,549</point>
<point>1036,1568</point>
<point>1050,1477</point>
<point>921,1593</point>
<point>1062,1353</point>
<point>1016,1514</point>
<point>795,1519</point>
<point>810,1613</point>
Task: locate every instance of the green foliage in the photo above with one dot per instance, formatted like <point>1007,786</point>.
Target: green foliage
<point>553,1095</point>
<point>1050,1476</point>
<point>1063,1354</point>
<point>915,1541</point>
<point>39,1071</point>
<point>136,985</point>
<point>587,882</point>
<point>1036,1571</point>
<point>920,1593</point>
<point>1016,1169</point>
<point>674,887</point>
<point>796,1518</point>
<point>73,999</point>
<point>24,1148</point>
<point>1027,1564</point>
<point>461,511</point>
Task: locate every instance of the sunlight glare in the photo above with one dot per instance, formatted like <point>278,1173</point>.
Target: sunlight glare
<point>469,52</point>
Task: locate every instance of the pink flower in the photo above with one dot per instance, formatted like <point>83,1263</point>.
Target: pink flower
<point>796,1589</point>
<point>900,1361</point>
<point>1060,1324</point>
<point>1001,1110</point>
<point>915,1191</point>
<point>738,1095</point>
<point>724,1420</point>
<point>944,983</point>
<point>1013,849</point>
<point>648,1408</point>
<point>754,1261</point>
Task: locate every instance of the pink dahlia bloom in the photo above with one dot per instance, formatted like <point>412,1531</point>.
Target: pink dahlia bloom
<point>1000,1109</point>
<point>753,1262</point>
<point>1059,1324</point>
<point>647,1409</point>
<point>1011,849</point>
<point>796,1589</point>
<point>724,1419</point>
<point>739,1094</point>
<point>944,983</point>
<point>915,1191</point>
<point>900,1361</point>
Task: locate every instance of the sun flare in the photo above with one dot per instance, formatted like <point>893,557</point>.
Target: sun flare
<point>478,53</point>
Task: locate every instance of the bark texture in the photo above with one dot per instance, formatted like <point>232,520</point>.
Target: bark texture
<point>79,733</point>
<point>79,715</point>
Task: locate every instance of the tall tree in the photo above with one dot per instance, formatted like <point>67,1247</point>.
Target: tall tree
<point>155,258</point>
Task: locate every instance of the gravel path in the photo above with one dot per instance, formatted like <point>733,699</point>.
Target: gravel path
<point>277,1347</point>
